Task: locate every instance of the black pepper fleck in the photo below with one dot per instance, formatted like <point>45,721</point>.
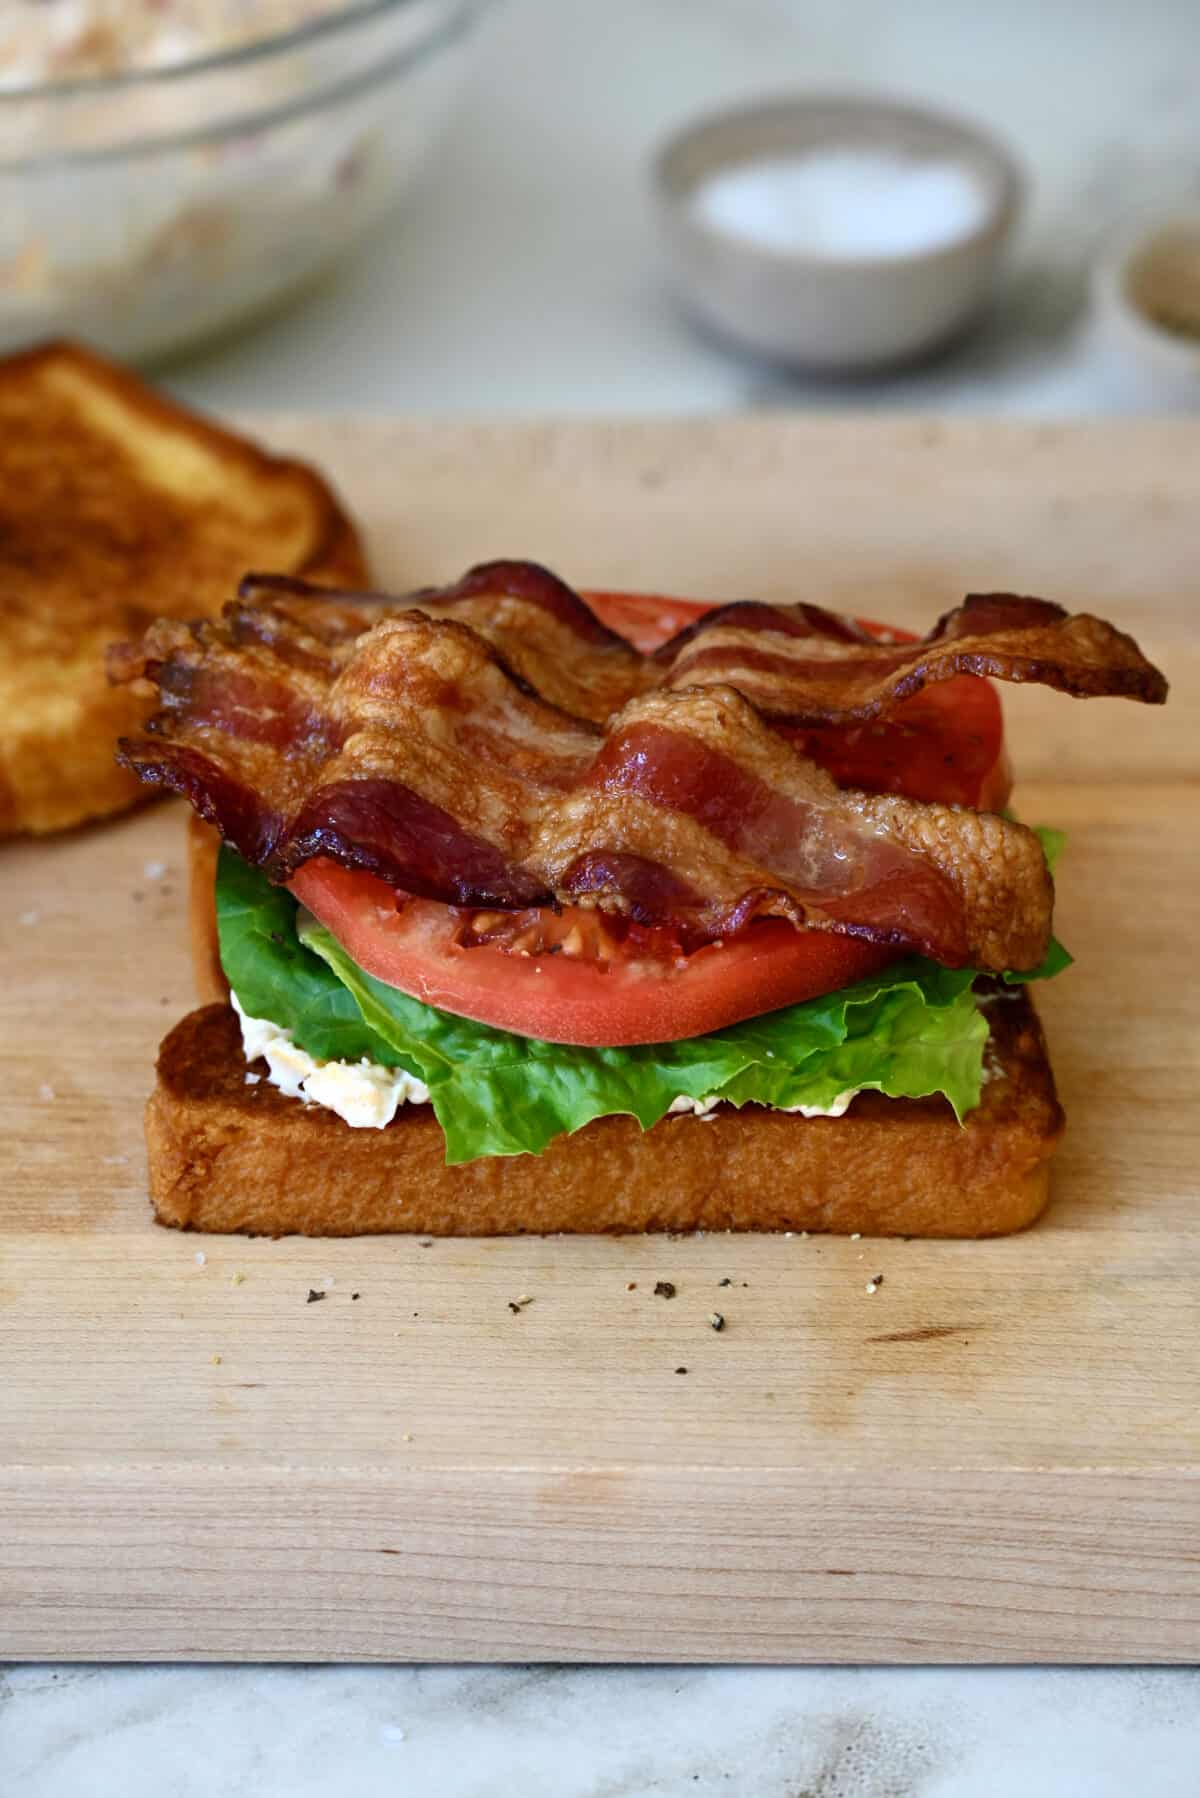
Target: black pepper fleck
<point>314,1297</point>
<point>664,1289</point>
<point>681,1370</point>
<point>725,1282</point>
<point>355,1295</point>
<point>716,1320</point>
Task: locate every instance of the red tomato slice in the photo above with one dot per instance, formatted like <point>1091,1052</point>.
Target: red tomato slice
<point>641,994</point>
<point>945,744</point>
<point>647,619</point>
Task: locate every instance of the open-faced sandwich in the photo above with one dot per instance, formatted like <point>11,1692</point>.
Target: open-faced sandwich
<point>531,925</point>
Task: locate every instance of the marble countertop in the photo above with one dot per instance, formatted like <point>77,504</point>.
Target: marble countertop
<point>523,277</point>
<point>597,1732</point>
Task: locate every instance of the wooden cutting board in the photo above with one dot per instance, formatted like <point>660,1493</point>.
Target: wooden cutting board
<point>994,1457</point>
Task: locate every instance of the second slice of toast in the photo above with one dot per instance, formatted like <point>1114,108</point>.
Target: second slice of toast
<point>118,506</point>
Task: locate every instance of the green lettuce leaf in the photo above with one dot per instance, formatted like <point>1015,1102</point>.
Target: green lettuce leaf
<point>1053,962</point>
<point>1053,843</point>
<point>911,1030</point>
<point>276,977</point>
<point>908,1031</point>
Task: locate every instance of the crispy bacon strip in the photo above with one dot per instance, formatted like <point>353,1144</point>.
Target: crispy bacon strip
<point>759,831</point>
<point>544,632</point>
<point>798,665</point>
<point>802,666</point>
<point>413,749</point>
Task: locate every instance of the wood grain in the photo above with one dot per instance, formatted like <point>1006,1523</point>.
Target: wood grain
<point>995,1456</point>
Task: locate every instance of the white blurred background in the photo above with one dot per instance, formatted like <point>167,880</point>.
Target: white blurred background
<point>524,274</point>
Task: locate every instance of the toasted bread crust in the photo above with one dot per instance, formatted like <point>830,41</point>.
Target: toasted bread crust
<point>117,506</point>
<point>203,847</point>
<point>230,1156</point>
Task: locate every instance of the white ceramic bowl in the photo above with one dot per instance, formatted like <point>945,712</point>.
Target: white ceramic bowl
<point>1150,272</point>
<point>846,314</point>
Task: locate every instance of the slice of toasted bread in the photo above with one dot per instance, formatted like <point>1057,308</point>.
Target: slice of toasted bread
<point>118,506</point>
<point>230,1153</point>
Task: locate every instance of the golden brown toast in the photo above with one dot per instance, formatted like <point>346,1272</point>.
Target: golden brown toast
<point>225,1155</point>
<point>118,506</point>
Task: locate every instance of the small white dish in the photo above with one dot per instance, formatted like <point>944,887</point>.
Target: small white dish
<point>1146,303</point>
<point>832,312</point>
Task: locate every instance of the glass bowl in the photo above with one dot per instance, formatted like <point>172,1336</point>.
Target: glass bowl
<point>147,210</point>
